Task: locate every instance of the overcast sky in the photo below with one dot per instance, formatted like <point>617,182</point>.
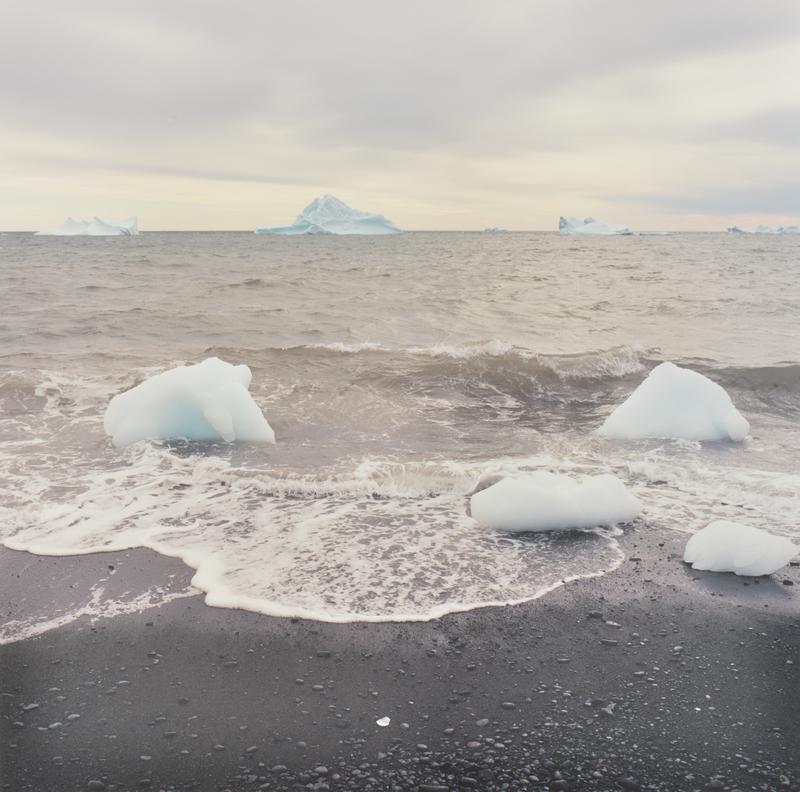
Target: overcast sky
<point>438,114</point>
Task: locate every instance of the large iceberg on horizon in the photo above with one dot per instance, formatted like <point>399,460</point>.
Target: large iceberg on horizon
<point>676,403</point>
<point>207,401</point>
<point>96,227</point>
<point>572,225</point>
<point>545,501</point>
<point>591,227</point>
<point>329,215</point>
<point>765,229</point>
<point>725,546</point>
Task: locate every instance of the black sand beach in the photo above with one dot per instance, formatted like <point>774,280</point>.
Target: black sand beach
<point>652,677</point>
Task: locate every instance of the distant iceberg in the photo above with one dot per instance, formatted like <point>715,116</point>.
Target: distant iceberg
<point>591,227</point>
<point>495,230</point>
<point>329,215</point>
<point>572,225</point>
<point>96,227</point>
<point>765,229</point>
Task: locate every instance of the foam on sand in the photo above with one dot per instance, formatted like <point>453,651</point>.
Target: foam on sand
<point>676,403</point>
<point>96,227</point>
<point>544,501</point>
<point>206,401</point>
<point>329,215</point>
<point>725,546</point>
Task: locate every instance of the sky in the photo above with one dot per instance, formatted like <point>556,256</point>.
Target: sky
<point>438,114</point>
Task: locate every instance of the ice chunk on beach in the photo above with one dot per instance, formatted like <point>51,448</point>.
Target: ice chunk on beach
<point>545,501</point>
<point>677,403</point>
<point>725,546</point>
<point>572,225</point>
<point>96,227</point>
<point>765,229</point>
<point>329,215</point>
<point>207,401</point>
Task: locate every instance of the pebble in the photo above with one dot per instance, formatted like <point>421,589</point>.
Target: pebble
<point>482,722</point>
<point>474,745</point>
<point>609,641</point>
<point>508,705</point>
<point>433,788</point>
<point>95,784</point>
<point>321,770</point>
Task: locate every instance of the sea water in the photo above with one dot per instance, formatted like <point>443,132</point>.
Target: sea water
<point>399,374</point>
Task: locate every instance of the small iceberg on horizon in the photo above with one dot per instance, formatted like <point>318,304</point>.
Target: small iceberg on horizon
<point>765,229</point>
<point>545,501</point>
<point>96,227</point>
<point>724,546</point>
<point>208,401</point>
<point>495,230</point>
<point>678,404</point>
<point>591,227</point>
<point>329,215</point>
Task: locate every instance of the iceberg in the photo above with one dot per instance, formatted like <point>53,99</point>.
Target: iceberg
<point>207,401</point>
<point>676,403</point>
<point>765,229</point>
<point>545,501</point>
<point>725,546</point>
<point>591,227</point>
<point>96,227</point>
<point>495,230</point>
<point>329,215</point>
<point>572,225</point>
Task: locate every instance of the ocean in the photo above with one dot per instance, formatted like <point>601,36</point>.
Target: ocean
<point>399,374</point>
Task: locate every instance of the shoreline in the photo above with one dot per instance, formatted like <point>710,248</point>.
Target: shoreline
<point>688,681</point>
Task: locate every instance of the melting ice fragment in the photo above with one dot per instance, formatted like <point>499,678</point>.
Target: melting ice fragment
<point>725,546</point>
<point>677,403</point>
<point>96,227</point>
<point>385,721</point>
<point>207,401</point>
<point>544,501</point>
<point>329,215</point>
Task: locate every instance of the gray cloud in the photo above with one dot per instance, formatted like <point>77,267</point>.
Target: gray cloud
<point>351,73</point>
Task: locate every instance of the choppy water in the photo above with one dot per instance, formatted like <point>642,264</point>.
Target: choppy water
<point>397,373</point>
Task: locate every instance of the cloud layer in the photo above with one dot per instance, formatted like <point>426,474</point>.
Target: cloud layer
<point>439,115</point>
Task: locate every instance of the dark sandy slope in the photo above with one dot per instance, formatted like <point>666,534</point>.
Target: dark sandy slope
<point>696,685</point>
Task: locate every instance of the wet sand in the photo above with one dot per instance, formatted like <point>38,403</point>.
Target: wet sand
<point>651,677</point>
